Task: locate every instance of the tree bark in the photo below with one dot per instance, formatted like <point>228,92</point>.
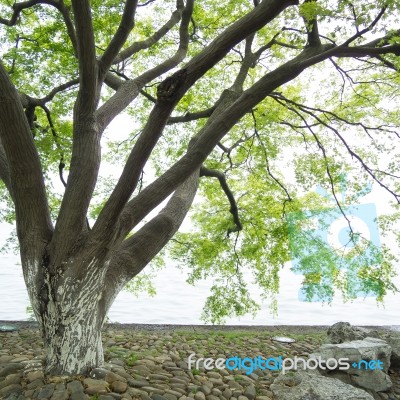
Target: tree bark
<point>70,310</point>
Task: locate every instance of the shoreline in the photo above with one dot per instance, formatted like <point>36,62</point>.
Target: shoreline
<point>201,328</point>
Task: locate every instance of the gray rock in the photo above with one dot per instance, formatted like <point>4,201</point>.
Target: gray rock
<point>156,396</point>
<point>376,380</point>
<point>200,396</point>
<point>98,373</point>
<point>343,332</point>
<point>9,368</point>
<point>60,395</point>
<point>170,396</point>
<point>357,350</point>
<point>137,384</point>
<point>11,389</point>
<point>302,385</point>
<point>359,374</point>
<point>394,343</point>
<point>33,375</point>
<point>75,387</point>
<point>46,392</point>
<point>227,393</point>
<point>250,392</point>
<point>10,379</point>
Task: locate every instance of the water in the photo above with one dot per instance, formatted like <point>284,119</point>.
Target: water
<point>177,302</point>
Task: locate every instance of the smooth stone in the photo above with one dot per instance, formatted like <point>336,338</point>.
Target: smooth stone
<point>250,392</point>
<point>227,393</point>
<point>60,395</point>
<point>119,386</point>
<point>34,375</point>
<point>94,386</point>
<point>200,396</point>
<point>205,389</point>
<point>35,384</point>
<point>156,396</point>
<point>9,368</point>
<point>158,377</point>
<point>112,377</point>
<point>175,392</point>
<point>46,391</point>
<point>151,389</point>
<point>137,383</point>
<point>10,379</point>
<point>75,387</point>
<point>10,389</point>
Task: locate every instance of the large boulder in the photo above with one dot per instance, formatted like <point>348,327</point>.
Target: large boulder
<point>393,341</point>
<point>368,360</point>
<point>343,332</point>
<point>302,385</point>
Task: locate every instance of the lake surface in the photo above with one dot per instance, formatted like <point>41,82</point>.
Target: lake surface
<point>177,302</point>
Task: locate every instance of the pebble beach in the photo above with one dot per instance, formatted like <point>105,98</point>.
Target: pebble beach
<point>151,363</point>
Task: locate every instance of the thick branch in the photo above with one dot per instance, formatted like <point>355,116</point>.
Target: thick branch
<point>5,170</point>
<point>32,211</point>
<point>145,44</point>
<point>225,187</point>
<point>85,158</point>
<point>88,69</point>
<point>137,251</point>
<point>208,138</point>
<point>312,30</point>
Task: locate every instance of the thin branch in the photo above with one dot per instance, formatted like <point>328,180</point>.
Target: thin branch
<point>367,29</point>
<point>191,116</point>
<point>225,187</point>
<point>19,7</point>
<point>346,145</point>
<point>276,180</point>
<point>126,25</point>
<point>129,90</point>
<point>145,44</point>
<point>58,4</point>
<point>57,90</point>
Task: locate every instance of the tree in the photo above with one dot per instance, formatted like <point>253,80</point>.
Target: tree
<point>214,90</point>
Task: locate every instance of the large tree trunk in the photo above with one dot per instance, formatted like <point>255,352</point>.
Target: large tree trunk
<point>70,311</point>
